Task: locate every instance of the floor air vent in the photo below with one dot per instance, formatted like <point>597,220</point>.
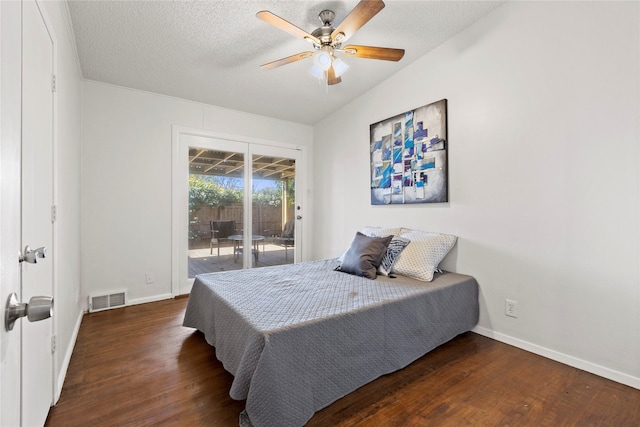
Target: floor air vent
<point>107,301</point>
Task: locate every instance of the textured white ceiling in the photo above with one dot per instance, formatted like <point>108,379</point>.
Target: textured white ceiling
<point>210,51</point>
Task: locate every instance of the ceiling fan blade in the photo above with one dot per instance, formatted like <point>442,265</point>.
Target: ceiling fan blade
<point>331,77</point>
<point>287,26</point>
<point>372,52</point>
<point>360,15</point>
<point>287,60</point>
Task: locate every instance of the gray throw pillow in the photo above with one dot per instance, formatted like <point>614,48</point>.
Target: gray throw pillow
<point>364,255</point>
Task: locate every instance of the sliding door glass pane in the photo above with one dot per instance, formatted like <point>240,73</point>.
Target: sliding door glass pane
<point>273,196</point>
<point>216,210</point>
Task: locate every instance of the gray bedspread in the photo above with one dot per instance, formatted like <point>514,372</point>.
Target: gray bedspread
<point>298,337</point>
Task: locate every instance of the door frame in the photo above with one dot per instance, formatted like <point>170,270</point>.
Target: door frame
<point>56,382</point>
<point>179,191</point>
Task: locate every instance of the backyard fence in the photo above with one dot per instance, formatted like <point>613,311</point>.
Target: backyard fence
<point>267,220</point>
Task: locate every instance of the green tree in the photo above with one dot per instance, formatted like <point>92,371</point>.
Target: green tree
<point>291,191</point>
<point>212,191</point>
<point>271,196</point>
<point>223,191</point>
<point>200,193</point>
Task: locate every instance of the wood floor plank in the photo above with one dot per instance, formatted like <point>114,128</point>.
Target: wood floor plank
<point>138,366</point>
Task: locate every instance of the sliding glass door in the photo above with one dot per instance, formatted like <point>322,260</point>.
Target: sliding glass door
<point>240,209</point>
<point>216,210</point>
<point>275,212</point>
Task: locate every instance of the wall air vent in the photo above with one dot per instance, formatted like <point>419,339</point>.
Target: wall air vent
<point>99,302</point>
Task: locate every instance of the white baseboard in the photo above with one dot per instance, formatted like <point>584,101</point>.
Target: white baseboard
<point>149,299</point>
<point>187,290</point>
<point>593,368</point>
<point>67,358</point>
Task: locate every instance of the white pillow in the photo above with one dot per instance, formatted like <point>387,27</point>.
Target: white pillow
<point>421,257</point>
<point>380,231</point>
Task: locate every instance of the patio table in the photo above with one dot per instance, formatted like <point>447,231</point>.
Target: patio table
<point>237,245</point>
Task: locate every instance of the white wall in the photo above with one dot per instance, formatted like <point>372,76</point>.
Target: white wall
<point>543,108</point>
<point>126,181</point>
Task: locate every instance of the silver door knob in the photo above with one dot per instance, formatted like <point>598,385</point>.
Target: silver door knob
<point>31,255</point>
<point>39,308</point>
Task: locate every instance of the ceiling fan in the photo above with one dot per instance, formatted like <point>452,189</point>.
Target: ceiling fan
<point>327,41</point>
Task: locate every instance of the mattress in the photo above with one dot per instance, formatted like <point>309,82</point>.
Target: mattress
<point>298,337</point>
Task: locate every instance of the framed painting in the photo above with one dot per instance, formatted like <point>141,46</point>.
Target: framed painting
<point>409,157</point>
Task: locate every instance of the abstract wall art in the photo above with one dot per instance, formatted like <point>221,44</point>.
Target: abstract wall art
<point>409,157</point>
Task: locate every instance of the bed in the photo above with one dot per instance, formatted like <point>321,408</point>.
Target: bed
<point>298,337</point>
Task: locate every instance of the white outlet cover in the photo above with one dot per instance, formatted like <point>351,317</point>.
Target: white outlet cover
<point>511,308</point>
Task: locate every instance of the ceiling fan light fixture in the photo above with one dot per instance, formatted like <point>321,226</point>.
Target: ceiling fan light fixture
<point>339,66</point>
<point>322,60</point>
<point>317,72</point>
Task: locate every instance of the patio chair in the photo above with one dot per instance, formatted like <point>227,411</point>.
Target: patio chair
<point>220,232</point>
<point>285,238</point>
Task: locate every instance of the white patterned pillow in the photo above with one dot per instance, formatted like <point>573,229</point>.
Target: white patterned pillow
<point>380,231</point>
<point>421,257</point>
<point>396,246</point>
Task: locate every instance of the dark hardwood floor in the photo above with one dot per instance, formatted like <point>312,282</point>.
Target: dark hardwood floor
<point>137,366</point>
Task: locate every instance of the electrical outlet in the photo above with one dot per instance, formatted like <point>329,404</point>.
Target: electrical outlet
<point>148,279</point>
<point>511,308</point>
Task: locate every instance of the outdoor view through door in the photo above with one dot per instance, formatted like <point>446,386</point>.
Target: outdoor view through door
<point>216,210</point>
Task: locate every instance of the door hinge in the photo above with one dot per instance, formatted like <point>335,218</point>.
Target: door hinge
<point>54,344</point>
<point>53,83</point>
<point>54,213</point>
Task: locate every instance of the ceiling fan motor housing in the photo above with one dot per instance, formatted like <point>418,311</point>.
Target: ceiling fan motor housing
<point>324,33</point>
<point>327,17</point>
